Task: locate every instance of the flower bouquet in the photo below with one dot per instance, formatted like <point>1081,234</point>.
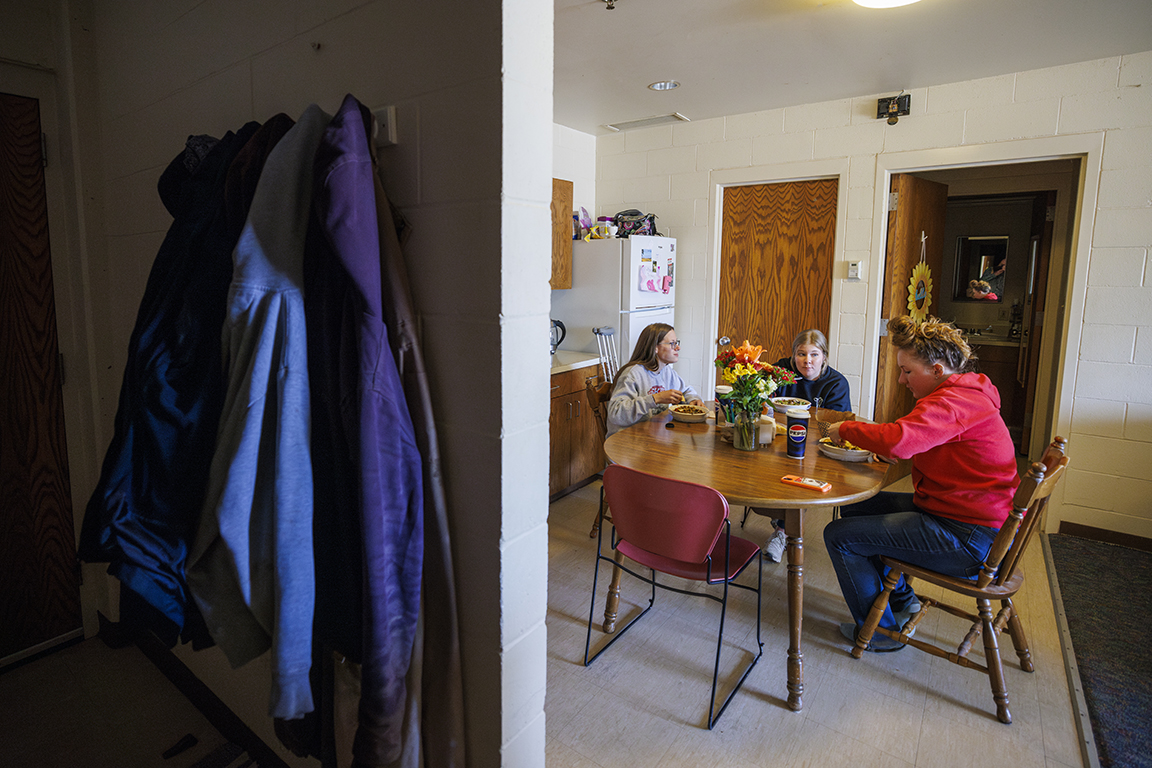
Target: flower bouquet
<point>753,382</point>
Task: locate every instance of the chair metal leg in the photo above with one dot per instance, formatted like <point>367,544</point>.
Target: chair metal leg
<point>713,719</point>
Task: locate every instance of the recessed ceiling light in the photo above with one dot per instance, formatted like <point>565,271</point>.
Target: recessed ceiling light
<point>664,85</point>
<point>884,3</point>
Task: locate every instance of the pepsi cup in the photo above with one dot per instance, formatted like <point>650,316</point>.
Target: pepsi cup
<point>723,405</point>
<point>797,431</point>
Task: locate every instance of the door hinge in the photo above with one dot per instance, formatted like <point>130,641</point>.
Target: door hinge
<point>883,327</point>
<point>1050,213</point>
<point>44,150</point>
<point>893,199</point>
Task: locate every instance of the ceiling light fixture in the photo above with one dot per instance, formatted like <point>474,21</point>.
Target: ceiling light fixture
<point>884,3</point>
<point>664,85</point>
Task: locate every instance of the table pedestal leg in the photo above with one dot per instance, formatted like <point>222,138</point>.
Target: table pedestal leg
<point>612,605</point>
<point>794,529</point>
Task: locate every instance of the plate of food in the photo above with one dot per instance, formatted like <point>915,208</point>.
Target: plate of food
<point>782,404</point>
<point>844,452</point>
<point>688,412</point>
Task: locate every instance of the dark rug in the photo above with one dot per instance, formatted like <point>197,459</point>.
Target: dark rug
<point>1107,594</point>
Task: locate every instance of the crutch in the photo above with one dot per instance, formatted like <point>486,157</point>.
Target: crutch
<point>606,344</point>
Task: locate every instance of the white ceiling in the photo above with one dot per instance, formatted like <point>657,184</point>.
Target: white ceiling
<point>736,56</point>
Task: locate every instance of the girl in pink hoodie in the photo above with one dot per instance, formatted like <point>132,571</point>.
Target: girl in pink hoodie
<point>963,475</point>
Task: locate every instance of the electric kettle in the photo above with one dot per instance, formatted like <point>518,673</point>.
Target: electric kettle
<point>556,334</point>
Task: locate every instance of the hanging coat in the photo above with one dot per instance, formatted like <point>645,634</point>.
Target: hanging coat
<point>436,655</point>
<point>381,443</point>
<point>251,565</point>
<point>143,512</point>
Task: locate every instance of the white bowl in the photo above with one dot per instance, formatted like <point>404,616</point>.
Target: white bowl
<point>782,404</point>
<point>844,454</point>
<point>689,414</point>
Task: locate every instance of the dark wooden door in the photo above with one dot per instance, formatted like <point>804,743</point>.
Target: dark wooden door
<point>39,585</point>
<point>777,245</point>
<point>1039,259</point>
<point>915,234</point>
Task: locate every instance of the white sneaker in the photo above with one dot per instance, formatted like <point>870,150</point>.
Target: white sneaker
<point>775,546</point>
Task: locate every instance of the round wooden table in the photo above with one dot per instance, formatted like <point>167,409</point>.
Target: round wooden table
<point>696,453</point>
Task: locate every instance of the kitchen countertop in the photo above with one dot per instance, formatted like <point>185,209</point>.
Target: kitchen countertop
<point>992,341</point>
<point>566,360</point>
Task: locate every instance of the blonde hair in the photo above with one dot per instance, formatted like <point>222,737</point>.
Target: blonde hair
<point>933,341</point>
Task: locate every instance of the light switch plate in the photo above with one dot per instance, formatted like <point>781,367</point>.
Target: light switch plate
<point>385,135</point>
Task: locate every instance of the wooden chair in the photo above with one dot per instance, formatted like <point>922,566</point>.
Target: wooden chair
<point>598,396</point>
<point>1000,578</point>
<point>680,529</point>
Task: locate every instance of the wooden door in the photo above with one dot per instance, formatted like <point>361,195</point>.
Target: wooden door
<point>39,585</point>
<point>1039,257</point>
<point>915,231</point>
<point>777,245</point>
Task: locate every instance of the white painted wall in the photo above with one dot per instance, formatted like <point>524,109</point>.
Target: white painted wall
<point>470,172</point>
<point>574,159</point>
<point>1098,110</point>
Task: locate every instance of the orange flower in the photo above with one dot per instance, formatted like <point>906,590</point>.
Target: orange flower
<point>748,354</point>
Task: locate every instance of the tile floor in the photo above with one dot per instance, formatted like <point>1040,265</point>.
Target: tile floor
<point>643,704</point>
<point>91,706</point>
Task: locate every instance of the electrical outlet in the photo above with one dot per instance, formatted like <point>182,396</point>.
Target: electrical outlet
<point>385,135</point>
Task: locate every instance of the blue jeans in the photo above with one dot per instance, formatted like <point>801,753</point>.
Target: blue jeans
<point>890,524</point>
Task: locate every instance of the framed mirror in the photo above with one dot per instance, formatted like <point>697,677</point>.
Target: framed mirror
<point>980,266</point>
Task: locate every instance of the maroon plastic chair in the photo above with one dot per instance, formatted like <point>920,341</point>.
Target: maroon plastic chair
<point>680,529</point>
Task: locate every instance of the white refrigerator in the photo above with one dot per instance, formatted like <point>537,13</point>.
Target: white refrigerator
<point>625,283</point>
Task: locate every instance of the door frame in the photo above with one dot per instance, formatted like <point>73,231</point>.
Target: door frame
<point>718,181</point>
<point>1066,301</point>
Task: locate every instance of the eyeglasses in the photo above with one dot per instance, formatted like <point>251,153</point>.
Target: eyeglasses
<point>673,344</point>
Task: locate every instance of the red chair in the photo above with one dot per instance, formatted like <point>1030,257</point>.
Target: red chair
<point>680,529</point>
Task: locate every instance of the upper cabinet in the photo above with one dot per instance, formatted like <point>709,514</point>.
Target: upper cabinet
<point>561,234</point>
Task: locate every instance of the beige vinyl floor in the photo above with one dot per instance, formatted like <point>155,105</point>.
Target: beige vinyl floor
<point>643,704</point>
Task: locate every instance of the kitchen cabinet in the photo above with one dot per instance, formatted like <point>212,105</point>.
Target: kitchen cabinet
<point>561,234</point>
<point>577,452</point>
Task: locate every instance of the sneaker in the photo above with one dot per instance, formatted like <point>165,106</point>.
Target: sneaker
<point>880,643</point>
<point>909,604</point>
<point>775,546</point>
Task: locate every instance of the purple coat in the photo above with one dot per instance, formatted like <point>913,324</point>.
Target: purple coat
<point>375,469</point>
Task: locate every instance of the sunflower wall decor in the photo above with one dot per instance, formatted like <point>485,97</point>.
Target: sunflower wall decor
<point>920,292</point>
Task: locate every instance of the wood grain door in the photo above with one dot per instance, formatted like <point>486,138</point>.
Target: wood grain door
<point>915,231</point>
<point>777,245</point>
<point>1039,259</point>
<point>39,584</point>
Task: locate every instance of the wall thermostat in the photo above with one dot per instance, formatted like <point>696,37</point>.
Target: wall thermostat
<point>854,270</point>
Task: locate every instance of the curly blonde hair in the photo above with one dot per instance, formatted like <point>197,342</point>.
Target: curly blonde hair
<point>933,341</point>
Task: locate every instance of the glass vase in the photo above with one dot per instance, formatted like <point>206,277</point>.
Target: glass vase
<point>746,431</point>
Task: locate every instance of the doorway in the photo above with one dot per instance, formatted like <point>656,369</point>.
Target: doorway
<point>1032,205</point>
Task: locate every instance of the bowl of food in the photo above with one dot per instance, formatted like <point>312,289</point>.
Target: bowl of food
<point>688,412</point>
<point>844,452</point>
<point>782,404</point>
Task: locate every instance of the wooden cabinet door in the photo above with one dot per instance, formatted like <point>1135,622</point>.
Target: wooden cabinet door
<point>587,445</point>
<point>560,451</point>
<point>561,234</point>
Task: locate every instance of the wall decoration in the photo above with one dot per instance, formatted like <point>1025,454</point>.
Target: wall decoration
<point>920,286</point>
